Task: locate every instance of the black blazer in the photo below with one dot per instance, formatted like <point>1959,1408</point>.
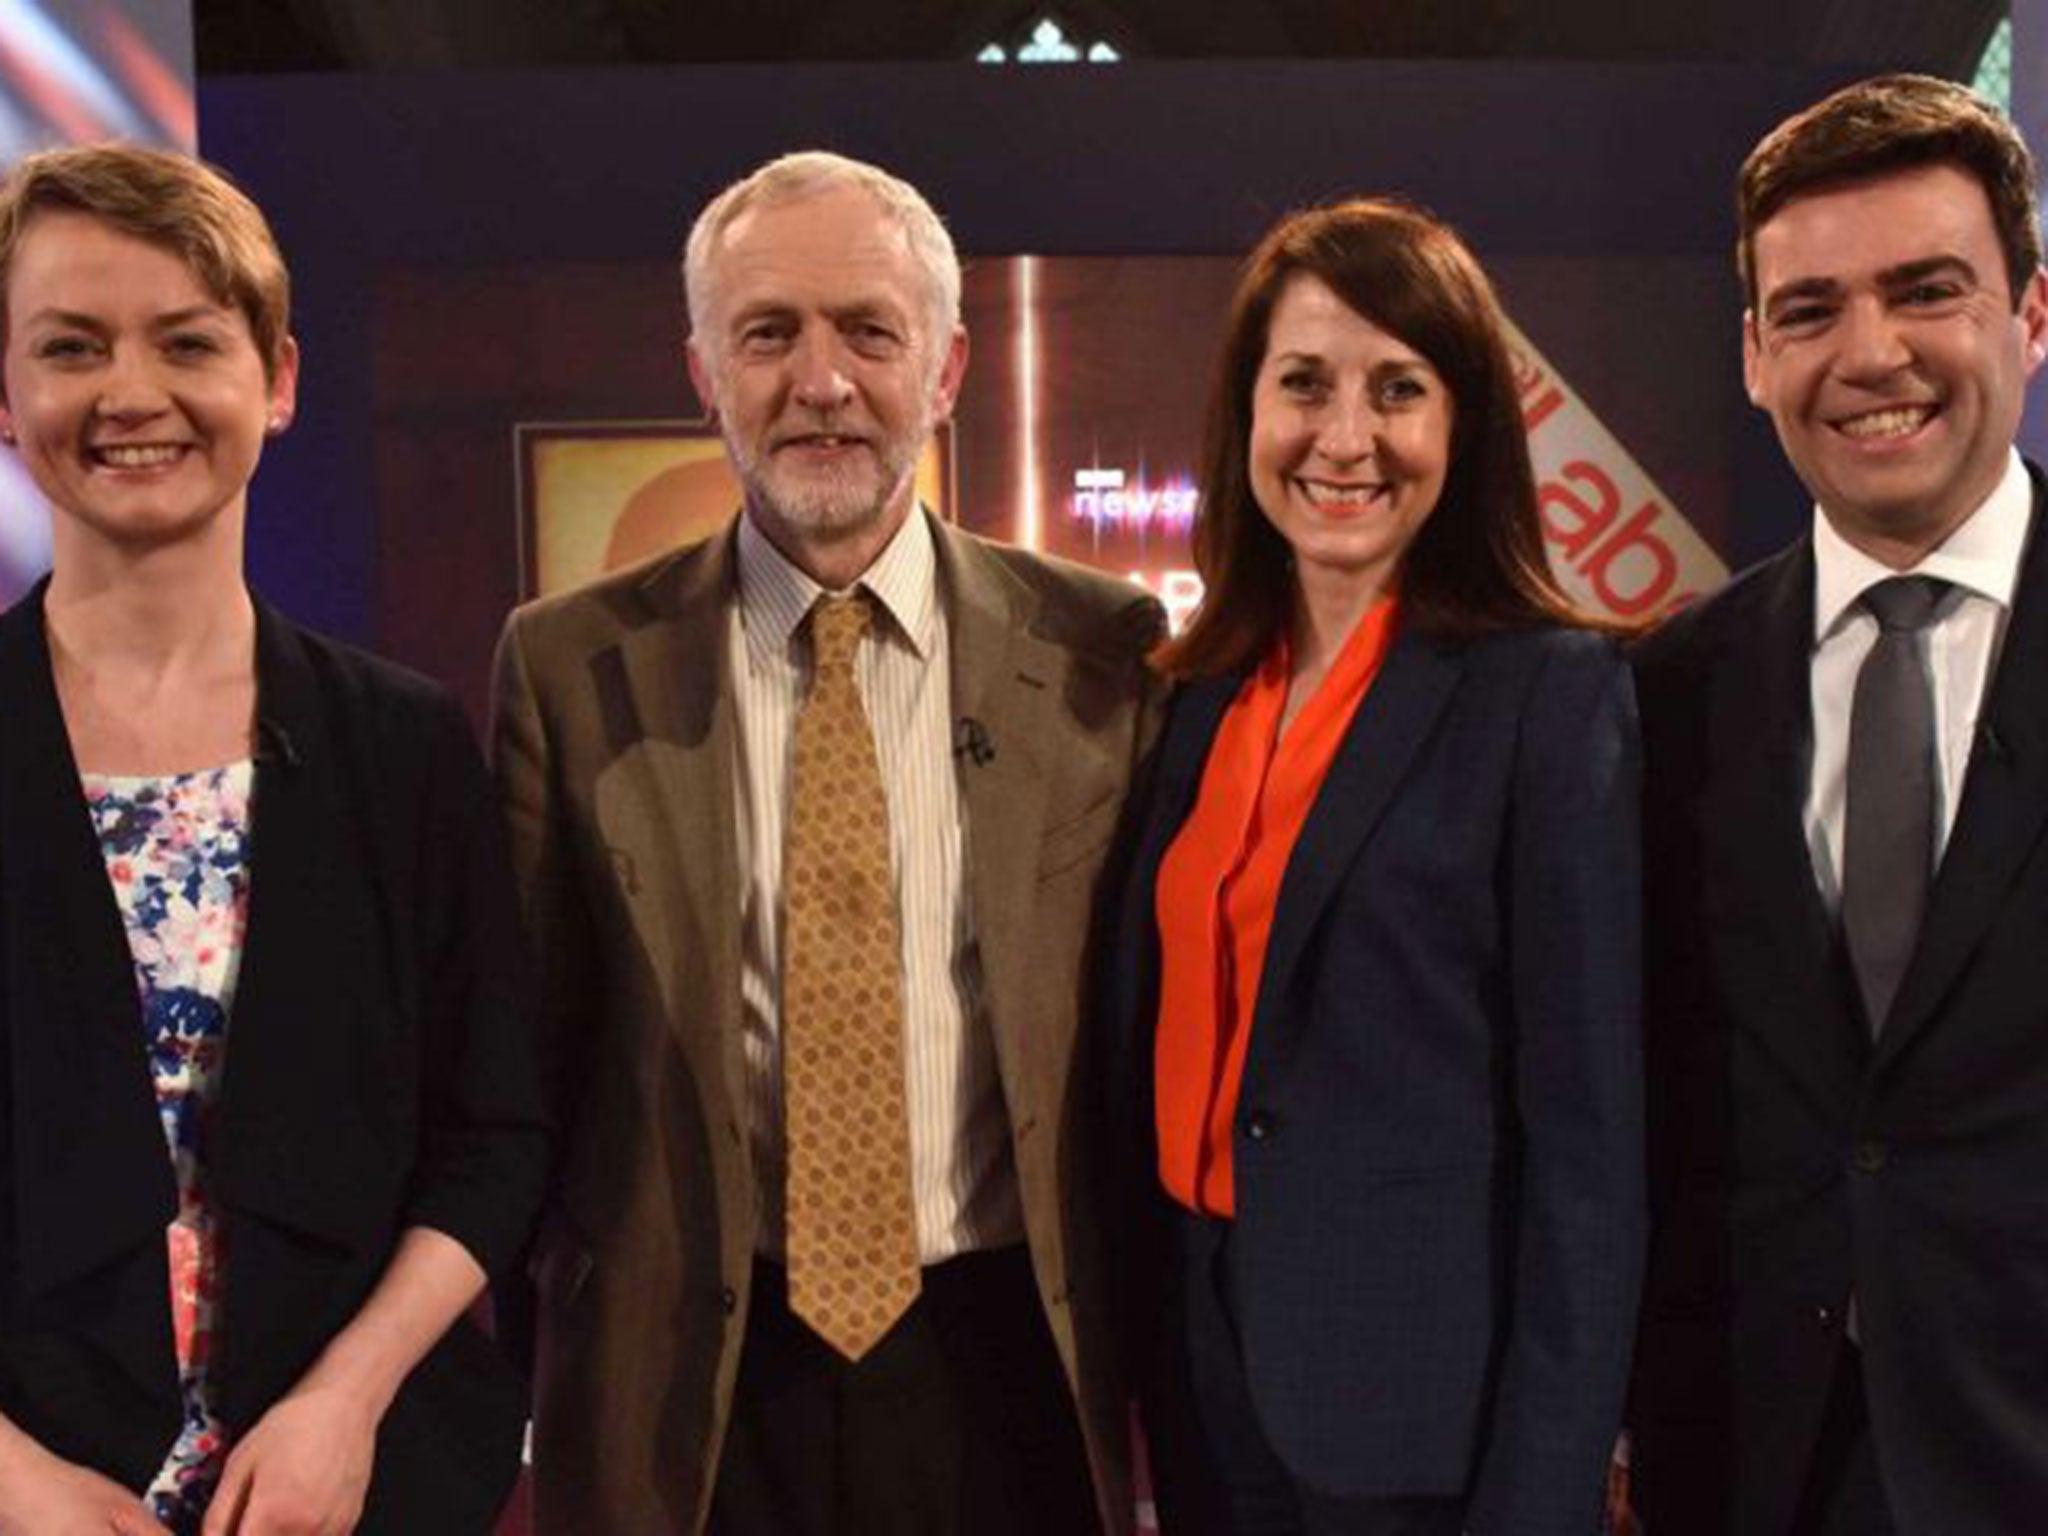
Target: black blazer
<point>1791,1160</point>
<point>1438,1147</point>
<point>380,1074</point>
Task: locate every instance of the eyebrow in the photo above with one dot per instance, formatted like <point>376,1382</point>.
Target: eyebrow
<point>755,309</point>
<point>179,317</point>
<point>838,314</point>
<point>1409,364</point>
<point>85,322</point>
<point>1801,288</point>
<point>1904,275</point>
<point>65,317</point>
<point>1909,272</point>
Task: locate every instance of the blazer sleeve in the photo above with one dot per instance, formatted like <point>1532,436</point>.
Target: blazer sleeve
<point>484,1133</point>
<point>1573,888</point>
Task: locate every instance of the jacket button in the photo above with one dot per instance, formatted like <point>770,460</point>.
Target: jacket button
<point>729,1299</point>
<point>1870,1157</point>
<point>1261,1125</point>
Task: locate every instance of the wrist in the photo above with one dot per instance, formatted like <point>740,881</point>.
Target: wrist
<point>20,1455</point>
<point>352,1378</point>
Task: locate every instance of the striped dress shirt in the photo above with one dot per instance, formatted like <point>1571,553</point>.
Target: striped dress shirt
<point>963,1182</point>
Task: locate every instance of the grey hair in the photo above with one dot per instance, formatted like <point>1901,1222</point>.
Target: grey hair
<point>810,173</point>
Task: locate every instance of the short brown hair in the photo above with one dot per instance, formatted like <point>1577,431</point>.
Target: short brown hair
<point>1893,123</point>
<point>174,201</point>
<point>1477,562</point>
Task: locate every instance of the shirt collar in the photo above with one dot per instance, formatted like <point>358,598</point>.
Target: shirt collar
<point>775,594</point>
<point>1982,555</point>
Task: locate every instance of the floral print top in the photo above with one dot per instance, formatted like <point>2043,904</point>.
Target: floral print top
<point>176,849</point>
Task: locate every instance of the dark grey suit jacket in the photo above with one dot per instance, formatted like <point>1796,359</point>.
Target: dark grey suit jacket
<point>1793,1161</point>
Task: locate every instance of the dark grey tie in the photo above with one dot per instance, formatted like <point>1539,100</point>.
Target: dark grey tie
<point>1888,816</point>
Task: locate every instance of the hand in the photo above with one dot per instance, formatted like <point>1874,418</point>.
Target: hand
<point>302,1471</point>
<point>47,1496</point>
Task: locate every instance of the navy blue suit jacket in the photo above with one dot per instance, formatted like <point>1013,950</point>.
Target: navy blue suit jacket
<point>1438,1144</point>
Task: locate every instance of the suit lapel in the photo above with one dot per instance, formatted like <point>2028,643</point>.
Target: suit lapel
<point>1191,724</point>
<point>90,1174</point>
<point>1198,710</point>
<point>2005,798</point>
<point>1393,721</point>
<point>665,803</point>
<point>1760,737</point>
<point>1004,678</point>
<point>1764,723</point>
<point>311,875</point>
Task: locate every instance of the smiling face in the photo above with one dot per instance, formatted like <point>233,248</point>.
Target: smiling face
<point>137,400</point>
<point>1350,438</point>
<point>819,354</point>
<point>1888,351</point>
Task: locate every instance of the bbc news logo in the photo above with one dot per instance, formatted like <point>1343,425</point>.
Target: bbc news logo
<point>1112,500</point>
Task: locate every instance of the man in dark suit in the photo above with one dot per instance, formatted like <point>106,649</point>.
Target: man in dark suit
<point>808,819</point>
<point>1846,1327</point>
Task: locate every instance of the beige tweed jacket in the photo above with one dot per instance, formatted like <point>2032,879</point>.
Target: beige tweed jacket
<point>614,755</point>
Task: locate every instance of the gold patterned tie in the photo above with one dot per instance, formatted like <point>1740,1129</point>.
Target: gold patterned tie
<point>851,1236</point>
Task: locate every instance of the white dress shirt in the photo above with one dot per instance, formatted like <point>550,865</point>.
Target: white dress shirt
<point>1982,561</point>
<point>964,1183</point>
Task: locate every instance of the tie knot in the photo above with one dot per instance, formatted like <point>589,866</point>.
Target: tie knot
<point>837,623</point>
<point>1905,602</point>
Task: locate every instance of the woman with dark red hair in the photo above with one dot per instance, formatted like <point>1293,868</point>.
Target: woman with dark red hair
<point>1375,970</point>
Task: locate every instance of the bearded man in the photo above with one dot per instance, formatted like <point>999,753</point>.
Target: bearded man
<point>808,820</point>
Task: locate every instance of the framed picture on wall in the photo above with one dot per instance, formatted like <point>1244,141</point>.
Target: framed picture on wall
<point>598,495</point>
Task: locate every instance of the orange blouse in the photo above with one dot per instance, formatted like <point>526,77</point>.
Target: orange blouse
<point>1217,889</point>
